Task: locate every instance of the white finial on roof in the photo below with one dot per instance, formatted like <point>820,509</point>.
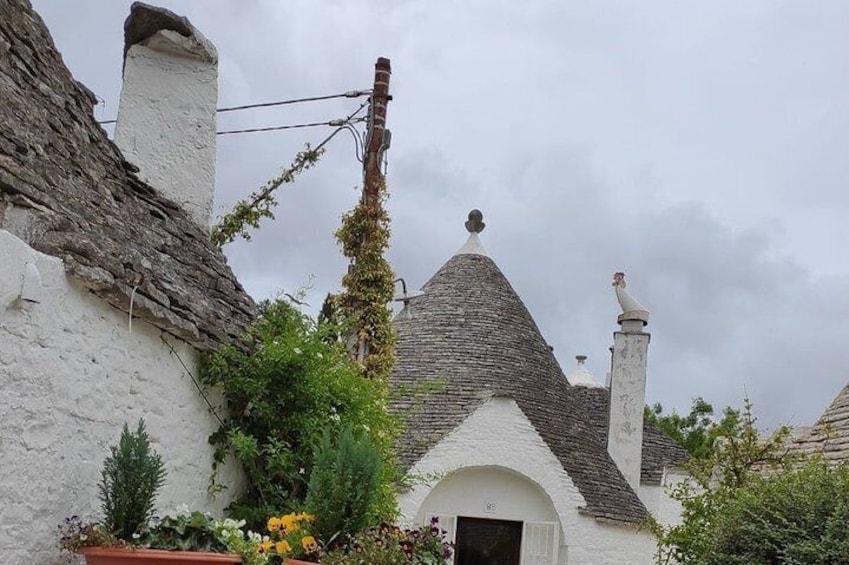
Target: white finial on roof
<point>580,375</point>
<point>632,310</point>
<point>475,225</point>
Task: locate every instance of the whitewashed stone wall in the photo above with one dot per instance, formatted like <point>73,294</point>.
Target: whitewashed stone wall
<point>499,435</point>
<point>656,498</point>
<point>70,375</point>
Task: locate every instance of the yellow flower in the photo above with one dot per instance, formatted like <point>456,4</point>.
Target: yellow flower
<point>265,546</point>
<point>283,547</point>
<point>290,522</point>
<point>274,524</point>
<point>309,544</point>
<point>305,516</point>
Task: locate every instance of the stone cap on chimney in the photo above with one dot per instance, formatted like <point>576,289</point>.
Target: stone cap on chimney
<point>163,30</point>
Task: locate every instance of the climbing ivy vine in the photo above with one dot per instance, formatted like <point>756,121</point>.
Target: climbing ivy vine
<point>368,285</point>
<point>247,213</point>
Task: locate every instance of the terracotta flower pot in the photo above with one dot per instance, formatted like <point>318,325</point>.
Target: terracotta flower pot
<point>134,556</point>
<point>298,562</point>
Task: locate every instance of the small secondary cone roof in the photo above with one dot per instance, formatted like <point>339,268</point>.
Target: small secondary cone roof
<point>580,375</point>
<point>468,338</point>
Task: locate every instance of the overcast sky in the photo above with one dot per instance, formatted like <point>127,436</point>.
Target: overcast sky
<point>701,147</point>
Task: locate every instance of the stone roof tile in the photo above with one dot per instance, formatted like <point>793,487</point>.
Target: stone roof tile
<point>830,435</point>
<point>67,191</point>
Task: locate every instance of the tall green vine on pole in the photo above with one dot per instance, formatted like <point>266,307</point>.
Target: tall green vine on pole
<point>364,237</point>
<point>368,286</point>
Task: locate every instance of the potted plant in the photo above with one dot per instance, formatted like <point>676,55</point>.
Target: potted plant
<point>129,534</point>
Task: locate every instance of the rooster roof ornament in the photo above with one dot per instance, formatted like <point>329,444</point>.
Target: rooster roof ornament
<point>631,308</point>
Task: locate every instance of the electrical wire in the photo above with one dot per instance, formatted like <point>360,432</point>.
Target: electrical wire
<point>349,94</point>
<point>345,122</point>
<point>337,123</point>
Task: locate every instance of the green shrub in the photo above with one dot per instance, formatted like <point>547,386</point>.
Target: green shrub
<point>283,392</point>
<point>796,517</point>
<point>343,489</point>
<point>132,475</point>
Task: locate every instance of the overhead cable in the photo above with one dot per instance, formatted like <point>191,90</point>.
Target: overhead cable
<point>349,94</point>
<point>332,123</point>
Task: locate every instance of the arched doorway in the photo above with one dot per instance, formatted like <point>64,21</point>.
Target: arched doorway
<point>494,516</point>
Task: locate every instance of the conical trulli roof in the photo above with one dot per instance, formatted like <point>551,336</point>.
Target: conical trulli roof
<point>468,338</point>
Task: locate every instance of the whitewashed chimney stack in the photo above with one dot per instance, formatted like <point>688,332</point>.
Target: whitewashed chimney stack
<point>167,114</point>
<point>628,385</point>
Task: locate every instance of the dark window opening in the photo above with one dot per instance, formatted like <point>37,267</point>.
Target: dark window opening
<point>488,542</point>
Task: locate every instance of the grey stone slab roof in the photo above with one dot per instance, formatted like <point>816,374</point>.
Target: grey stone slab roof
<point>830,434</point>
<point>469,337</point>
<point>66,190</point>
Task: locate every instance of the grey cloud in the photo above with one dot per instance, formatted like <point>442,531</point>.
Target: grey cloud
<point>699,147</point>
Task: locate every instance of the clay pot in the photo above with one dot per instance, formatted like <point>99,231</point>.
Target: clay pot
<point>298,562</point>
<point>134,556</point>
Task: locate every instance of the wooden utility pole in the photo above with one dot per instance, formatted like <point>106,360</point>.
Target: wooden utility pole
<point>376,138</point>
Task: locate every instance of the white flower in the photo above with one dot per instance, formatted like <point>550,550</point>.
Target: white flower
<point>335,417</point>
<point>297,351</point>
<point>320,356</point>
<point>136,536</point>
<point>302,470</point>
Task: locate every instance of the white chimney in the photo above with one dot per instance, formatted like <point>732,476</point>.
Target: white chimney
<point>166,118</point>
<point>628,385</point>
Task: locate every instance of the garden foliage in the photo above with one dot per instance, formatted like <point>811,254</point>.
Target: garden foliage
<point>697,431</point>
<point>799,517</point>
<point>284,390</point>
<point>368,286</point>
<point>132,475</point>
<point>752,502</point>
<point>344,488</point>
<point>390,545</point>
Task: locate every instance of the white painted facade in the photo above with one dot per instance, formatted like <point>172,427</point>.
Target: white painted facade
<point>495,465</point>
<point>657,501</point>
<point>628,399</point>
<point>71,373</point>
<point>166,117</point>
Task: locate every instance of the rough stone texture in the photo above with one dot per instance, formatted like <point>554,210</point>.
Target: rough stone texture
<point>469,338</point>
<point>77,199</point>
<point>71,373</point>
<point>830,435</point>
<point>145,21</point>
<point>659,452</point>
<point>499,436</point>
<point>166,117</point>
